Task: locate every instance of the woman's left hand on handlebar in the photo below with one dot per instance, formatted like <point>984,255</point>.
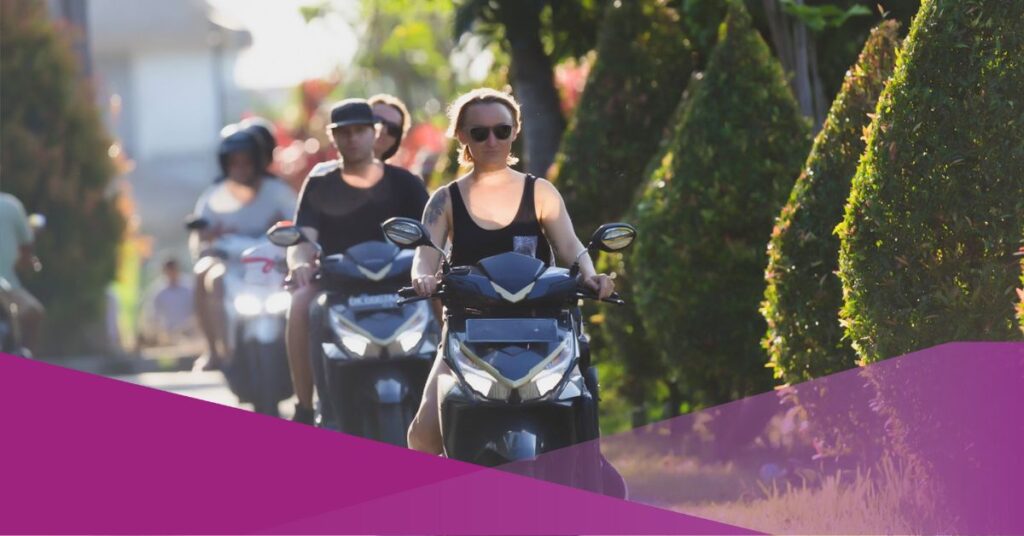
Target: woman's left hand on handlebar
<point>601,284</point>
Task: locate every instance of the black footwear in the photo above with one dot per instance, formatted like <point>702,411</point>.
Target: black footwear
<point>206,362</point>
<point>303,415</point>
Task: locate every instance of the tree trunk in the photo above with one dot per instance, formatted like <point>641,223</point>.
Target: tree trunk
<point>533,83</point>
<point>797,52</point>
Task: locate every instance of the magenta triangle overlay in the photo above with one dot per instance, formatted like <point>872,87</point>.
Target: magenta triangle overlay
<point>959,408</point>
<point>81,453</point>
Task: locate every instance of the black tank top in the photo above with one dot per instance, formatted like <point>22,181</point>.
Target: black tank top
<point>471,243</point>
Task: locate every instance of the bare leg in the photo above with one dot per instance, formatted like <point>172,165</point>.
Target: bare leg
<point>425,430</point>
<point>202,310</point>
<point>217,316</point>
<point>297,340</point>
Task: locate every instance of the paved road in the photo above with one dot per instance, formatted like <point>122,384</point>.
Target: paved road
<point>209,386</point>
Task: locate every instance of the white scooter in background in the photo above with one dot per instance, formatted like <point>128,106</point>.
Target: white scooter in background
<point>256,304</point>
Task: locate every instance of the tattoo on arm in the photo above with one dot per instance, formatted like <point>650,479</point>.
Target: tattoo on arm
<point>435,208</point>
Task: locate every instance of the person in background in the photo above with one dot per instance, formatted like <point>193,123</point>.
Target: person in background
<point>394,120</point>
<point>168,307</point>
<point>245,203</point>
<point>16,239</point>
<point>343,203</point>
<point>265,131</point>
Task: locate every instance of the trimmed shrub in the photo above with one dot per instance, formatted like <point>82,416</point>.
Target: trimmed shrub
<point>804,295</point>
<point>643,61</point>
<point>937,205</point>
<point>706,215</point>
<point>53,152</point>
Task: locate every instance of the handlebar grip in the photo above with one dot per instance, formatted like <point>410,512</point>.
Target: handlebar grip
<point>588,294</point>
<point>407,292</point>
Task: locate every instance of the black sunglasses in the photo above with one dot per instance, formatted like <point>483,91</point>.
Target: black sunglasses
<point>393,129</point>
<point>480,134</point>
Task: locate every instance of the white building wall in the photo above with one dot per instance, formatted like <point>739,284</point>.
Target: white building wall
<point>176,105</point>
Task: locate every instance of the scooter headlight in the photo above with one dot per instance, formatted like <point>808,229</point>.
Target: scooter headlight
<point>278,302</point>
<point>415,328</point>
<point>355,343</point>
<point>551,375</point>
<point>488,382</point>
<point>481,381</point>
<point>248,304</point>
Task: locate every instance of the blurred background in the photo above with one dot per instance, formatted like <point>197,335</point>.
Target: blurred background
<point>112,135</point>
<point>729,131</point>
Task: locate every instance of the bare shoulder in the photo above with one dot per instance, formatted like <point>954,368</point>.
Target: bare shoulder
<point>545,188</point>
<point>547,198</point>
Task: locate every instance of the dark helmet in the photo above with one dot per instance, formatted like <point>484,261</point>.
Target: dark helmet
<point>264,130</point>
<point>236,140</point>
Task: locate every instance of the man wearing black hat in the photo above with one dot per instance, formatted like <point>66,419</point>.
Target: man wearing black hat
<point>342,203</point>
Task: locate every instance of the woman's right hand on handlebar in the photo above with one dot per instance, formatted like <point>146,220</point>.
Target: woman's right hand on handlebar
<point>302,275</point>
<point>425,285</point>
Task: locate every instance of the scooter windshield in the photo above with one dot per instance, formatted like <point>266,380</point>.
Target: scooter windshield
<point>511,330</point>
<point>513,349</point>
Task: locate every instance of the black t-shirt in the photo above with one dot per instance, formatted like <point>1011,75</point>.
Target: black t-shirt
<point>345,216</point>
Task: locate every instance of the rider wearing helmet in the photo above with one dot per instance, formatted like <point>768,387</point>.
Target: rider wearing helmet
<point>265,132</point>
<point>244,203</point>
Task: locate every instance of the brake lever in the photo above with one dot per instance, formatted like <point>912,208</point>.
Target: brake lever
<point>587,294</point>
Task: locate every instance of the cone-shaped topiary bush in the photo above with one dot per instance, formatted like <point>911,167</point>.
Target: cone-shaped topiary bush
<point>937,205</point>
<point>53,156</point>
<point>706,216</point>
<point>643,62</point>
<point>804,295</point>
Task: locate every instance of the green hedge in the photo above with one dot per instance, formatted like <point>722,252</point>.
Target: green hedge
<point>643,61</point>
<point>53,152</point>
<point>936,208</point>
<point>804,295</point>
<point>706,215</point>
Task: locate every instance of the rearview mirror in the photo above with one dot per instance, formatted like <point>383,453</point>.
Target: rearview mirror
<point>406,233</point>
<point>612,237</point>
<point>284,234</point>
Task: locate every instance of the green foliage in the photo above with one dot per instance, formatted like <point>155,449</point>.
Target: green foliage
<point>619,336</point>
<point>818,18</point>
<point>838,47</point>
<point>404,50</point>
<point>643,61</point>
<point>54,158</point>
<point>568,29</point>
<point>803,298</point>
<point>936,207</point>
<point>705,217</point>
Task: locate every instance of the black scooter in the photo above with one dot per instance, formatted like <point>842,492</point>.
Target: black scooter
<point>371,356</point>
<point>515,342</point>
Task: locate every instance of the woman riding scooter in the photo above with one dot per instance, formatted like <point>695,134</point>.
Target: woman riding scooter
<point>245,204</point>
<point>491,210</point>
